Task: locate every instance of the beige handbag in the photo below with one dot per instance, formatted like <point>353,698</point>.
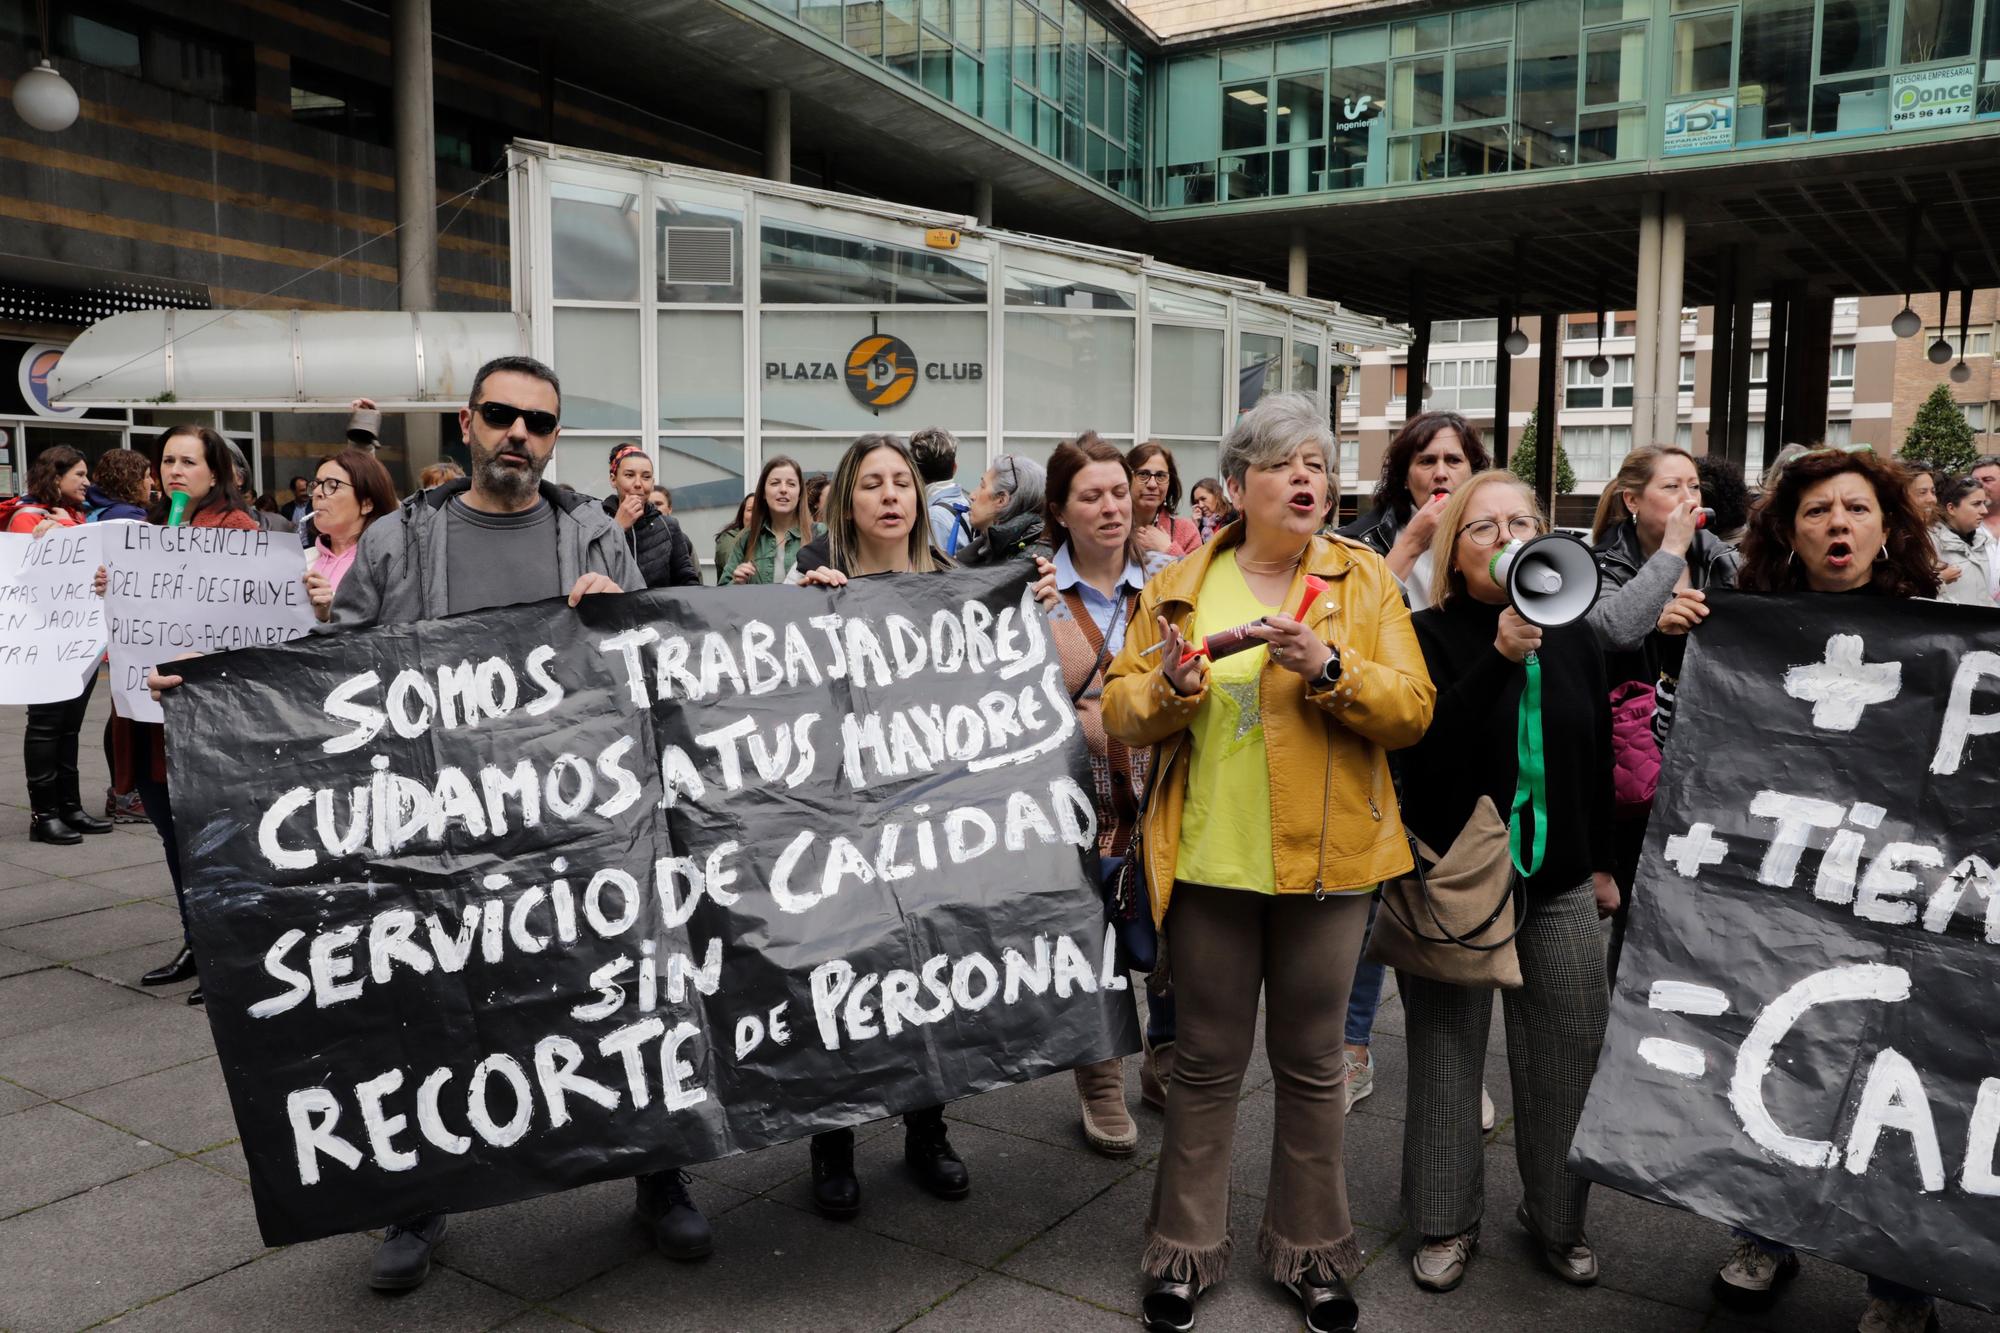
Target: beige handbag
<point>1454,917</point>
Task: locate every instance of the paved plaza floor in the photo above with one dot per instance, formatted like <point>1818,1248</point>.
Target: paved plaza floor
<point>123,1196</point>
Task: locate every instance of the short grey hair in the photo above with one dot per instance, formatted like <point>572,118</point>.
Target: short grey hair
<point>1029,482</point>
<point>1272,431</point>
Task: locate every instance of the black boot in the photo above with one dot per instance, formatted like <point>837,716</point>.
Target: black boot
<point>194,996</point>
<point>403,1259</point>
<point>180,969</point>
<point>51,829</point>
<point>679,1229</point>
<point>836,1191</point>
<point>69,798</point>
<point>928,1153</point>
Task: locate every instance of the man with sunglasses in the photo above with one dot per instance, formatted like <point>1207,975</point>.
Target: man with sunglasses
<point>500,537</point>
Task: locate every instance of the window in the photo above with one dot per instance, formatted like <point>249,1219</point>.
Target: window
<point>1350,460</point>
<point>1460,386</point>
<point>1975,416</point>
<point>1596,451</point>
<point>1978,342</point>
<point>1684,436</point>
<point>1687,372</point>
<point>1464,331</point>
<point>340,104</point>
<point>1760,359</point>
<point>1839,434</point>
<point>804,265</point>
<point>1840,373</point>
<point>1586,328</point>
<point>187,60</point>
<point>1582,389</point>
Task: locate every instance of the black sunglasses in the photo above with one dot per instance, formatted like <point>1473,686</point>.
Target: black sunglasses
<point>502,415</point>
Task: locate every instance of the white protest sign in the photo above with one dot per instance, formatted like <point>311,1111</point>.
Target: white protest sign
<point>174,591</point>
<point>51,619</point>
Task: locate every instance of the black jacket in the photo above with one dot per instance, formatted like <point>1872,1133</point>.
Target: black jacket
<point>664,553</point>
<point>1711,562</point>
<point>1471,747</point>
<point>1377,529</point>
<point>1018,536</point>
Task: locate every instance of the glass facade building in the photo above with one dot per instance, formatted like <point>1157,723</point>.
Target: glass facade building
<point>1536,85</point>
<point>721,321</point>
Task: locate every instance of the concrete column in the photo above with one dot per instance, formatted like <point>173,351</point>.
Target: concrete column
<point>1739,356</point>
<point>1776,430</point>
<point>1667,350</point>
<point>1548,401</point>
<point>982,202</point>
<point>416,189</point>
<point>1503,387</point>
<point>1809,333</point>
<point>1722,343</point>
<point>778,134</point>
<point>1646,340</point>
<point>1295,279</point>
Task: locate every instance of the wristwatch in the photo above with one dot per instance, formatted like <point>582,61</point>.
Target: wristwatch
<point>1329,673</point>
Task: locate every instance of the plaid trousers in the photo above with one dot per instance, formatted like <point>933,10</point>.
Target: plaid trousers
<point>1555,1025</point>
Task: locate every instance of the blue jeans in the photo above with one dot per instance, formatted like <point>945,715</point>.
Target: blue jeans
<point>1366,997</point>
<point>1881,1288</point>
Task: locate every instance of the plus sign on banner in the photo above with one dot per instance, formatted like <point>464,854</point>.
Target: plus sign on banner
<point>1803,1038</point>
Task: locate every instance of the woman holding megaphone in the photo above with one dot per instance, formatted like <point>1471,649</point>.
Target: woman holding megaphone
<point>1485,655</point>
<point>198,489</point>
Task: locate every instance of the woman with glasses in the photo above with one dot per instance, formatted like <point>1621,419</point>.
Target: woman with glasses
<point>1156,494</point>
<point>1474,645</point>
<point>1837,521</point>
<point>350,491</point>
<point>1005,512</point>
<point>1657,563</point>
<point>1270,825</point>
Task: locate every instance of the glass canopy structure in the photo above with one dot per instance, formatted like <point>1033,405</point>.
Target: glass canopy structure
<point>722,321</point>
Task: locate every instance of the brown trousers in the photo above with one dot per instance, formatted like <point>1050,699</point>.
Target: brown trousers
<point>1228,945</point>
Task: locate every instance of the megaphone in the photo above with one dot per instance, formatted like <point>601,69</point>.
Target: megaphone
<point>1550,581</point>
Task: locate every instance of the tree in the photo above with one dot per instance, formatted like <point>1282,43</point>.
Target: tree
<point>1522,460</point>
<point>1940,436</point>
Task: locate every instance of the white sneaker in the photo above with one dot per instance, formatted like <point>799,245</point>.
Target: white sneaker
<point>1360,1077</point>
<point>1487,1115</point>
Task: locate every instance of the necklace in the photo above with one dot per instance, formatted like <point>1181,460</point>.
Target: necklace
<point>1270,566</point>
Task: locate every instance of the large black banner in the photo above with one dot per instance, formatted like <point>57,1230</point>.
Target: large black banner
<point>491,906</point>
<point>1803,1037</point>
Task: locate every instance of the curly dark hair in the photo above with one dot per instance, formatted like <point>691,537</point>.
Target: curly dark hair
<point>121,474</point>
<point>1393,491</point>
<point>1724,490</point>
<point>1905,567</point>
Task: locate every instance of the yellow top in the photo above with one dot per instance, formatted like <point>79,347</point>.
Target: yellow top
<point>1226,824</point>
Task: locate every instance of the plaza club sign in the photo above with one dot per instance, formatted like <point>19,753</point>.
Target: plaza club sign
<point>880,371</point>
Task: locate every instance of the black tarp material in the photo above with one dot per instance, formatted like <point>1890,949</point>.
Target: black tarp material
<point>1803,1038</point>
<point>497,905</point>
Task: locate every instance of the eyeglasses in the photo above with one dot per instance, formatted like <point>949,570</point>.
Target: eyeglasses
<point>502,415</point>
<point>1520,528</point>
<point>1149,474</point>
<point>330,486</point>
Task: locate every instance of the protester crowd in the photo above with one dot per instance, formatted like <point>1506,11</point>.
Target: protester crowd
<point>1249,802</point>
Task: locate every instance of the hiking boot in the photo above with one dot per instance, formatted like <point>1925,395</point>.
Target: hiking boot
<point>1752,1274</point>
<point>1156,1071</point>
<point>1575,1263</point>
<point>1886,1316</point>
<point>679,1229</point>
<point>403,1259</point>
<point>1360,1076</point>
<point>1107,1124</point>
<point>928,1153</point>
<point>1439,1264</point>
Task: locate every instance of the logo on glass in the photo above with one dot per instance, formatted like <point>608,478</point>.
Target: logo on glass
<point>881,370</point>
